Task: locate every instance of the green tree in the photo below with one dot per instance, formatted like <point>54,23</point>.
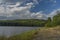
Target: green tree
<point>49,22</point>
<point>56,19</point>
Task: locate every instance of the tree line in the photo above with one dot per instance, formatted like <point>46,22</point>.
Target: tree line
<point>23,22</point>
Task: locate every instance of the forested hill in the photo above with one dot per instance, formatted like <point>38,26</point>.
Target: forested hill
<point>23,22</point>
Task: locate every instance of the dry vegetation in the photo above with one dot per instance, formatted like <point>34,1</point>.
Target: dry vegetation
<point>48,34</point>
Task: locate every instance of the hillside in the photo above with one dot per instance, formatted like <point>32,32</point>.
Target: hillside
<point>48,34</point>
<point>23,22</point>
<point>55,21</point>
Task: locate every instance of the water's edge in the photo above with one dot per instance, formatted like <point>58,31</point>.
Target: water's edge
<point>8,31</point>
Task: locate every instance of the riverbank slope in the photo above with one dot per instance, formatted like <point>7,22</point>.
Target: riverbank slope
<point>51,33</point>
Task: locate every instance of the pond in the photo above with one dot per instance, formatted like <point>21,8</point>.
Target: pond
<point>9,31</point>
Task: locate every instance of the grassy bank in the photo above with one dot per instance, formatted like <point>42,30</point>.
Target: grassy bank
<point>23,36</point>
<point>52,33</point>
<point>28,35</point>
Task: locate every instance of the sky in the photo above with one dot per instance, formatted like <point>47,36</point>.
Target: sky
<point>28,9</point>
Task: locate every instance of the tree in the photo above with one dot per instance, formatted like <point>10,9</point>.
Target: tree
<point>49,22</point>
<point>56,19</point>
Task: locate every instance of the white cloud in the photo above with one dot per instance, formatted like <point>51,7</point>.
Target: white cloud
<point>0,1</point>
<point>39,15</point>
<point>21,12</point>
<point>35,1</point>
<point>54,1</point>
<point>54,12</point>
<point>17,4</point>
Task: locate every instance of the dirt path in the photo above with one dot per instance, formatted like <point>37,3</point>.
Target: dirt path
<point>48,34</point>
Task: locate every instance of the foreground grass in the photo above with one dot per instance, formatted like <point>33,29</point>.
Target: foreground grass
<point>51,33</point>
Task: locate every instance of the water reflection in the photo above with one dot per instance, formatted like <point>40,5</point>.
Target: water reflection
<point>8,31</point>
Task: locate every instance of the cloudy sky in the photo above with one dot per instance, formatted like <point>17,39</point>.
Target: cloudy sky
<point>27,9</point>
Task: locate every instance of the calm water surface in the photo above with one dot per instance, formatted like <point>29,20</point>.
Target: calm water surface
<point>9,31</point>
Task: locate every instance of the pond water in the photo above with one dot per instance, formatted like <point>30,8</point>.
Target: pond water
<point>9,31</point>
